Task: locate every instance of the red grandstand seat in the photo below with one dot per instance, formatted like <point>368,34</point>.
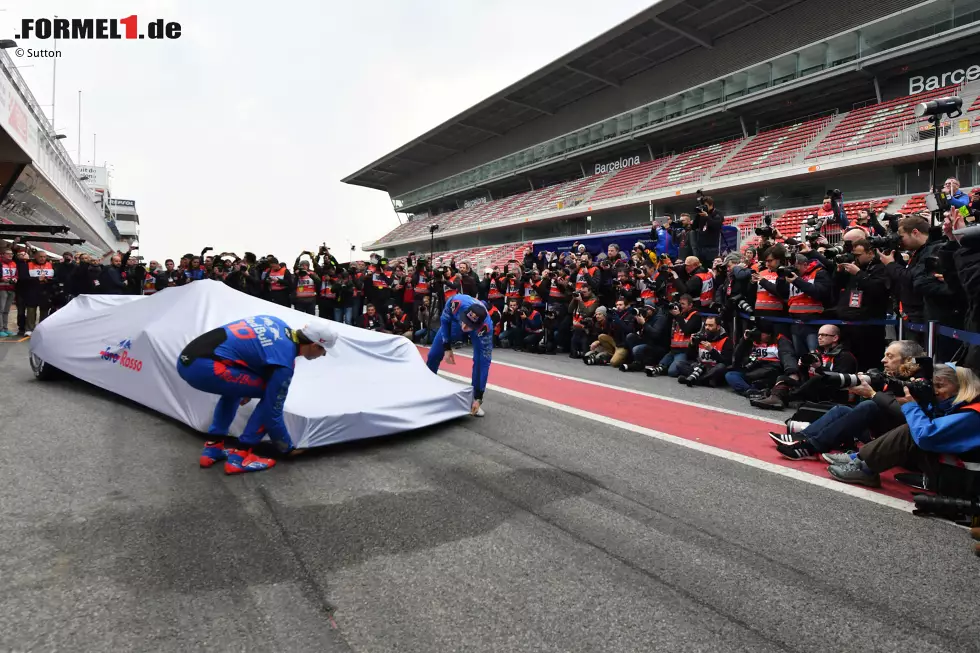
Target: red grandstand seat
<point>873,125</point>
<point>689,167</point>
<point>772,148</point>
<point>623,181</point>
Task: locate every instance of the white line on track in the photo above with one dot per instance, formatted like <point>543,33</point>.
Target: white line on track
<point>620,388</point>
<point>788,472</point>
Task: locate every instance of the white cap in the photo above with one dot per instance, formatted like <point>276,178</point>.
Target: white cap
<point>322,334</point>
<point>488,271</point>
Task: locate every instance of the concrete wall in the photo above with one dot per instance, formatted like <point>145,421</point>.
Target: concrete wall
<point>801,24</point>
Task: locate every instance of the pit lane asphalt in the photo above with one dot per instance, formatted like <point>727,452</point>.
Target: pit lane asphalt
<point>528,530</point>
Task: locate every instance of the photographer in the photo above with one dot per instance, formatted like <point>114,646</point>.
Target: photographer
<point>582,309</point>
<point>8,283</point>
<point>941,292</point>
<point>759,359</point>
<point>809,291</point>
<point>532,323</point>
<point>951,425</point>
<point>466,277</point>
<point>371,320</point>
<point>965,251</point>
<point>772,289</point>
<point>35,278</point>
<point>878,413</point>
<point>829,356</point>
<point>512,325</point>
<point>621,323</point>
<point>172,277</point>
<point>687,322</point>
<point>427,320</point>
<point>708,356</point>
<point>329,292</point>
<point>697,281</point>
<point>652,343</point>
<point>304,287</point>
<point>400,323</point>
<point>707,224</point>
<point>378,288</point>
<point>277,282</point>
<point>492,289</point>
<point>682,235</point>
<point>862,295</point>
<point>913,231</point>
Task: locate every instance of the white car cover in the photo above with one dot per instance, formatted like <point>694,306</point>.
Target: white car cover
<point>376,385</point>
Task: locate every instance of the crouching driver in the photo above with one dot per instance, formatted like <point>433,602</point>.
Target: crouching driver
<point>251,358</point>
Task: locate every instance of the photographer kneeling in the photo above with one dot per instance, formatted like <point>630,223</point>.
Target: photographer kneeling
<point>708,356</point>
<point>652,342</point>
<point>877,414</point>
<point>687,322</point>
<point>953,428</point>
<point>759,359</point>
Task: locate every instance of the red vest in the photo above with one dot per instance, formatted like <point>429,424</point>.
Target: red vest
<point>707,287</point>
<point>422,287</point>
<point>43,273</point>
<point>800,302</point>
<point>494,292</point>
<point>8,275</point>
<point>276,277</point>
<point>764,352</point>
<point>149,284</point>
<point>326,288</point>
<point>305,287</point>
<point>765,300</point>
<point>678,340</point>
<point>716,345</point>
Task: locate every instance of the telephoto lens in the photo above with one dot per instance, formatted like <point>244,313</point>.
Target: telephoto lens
<point>950,507</point>
<point>842,380</point>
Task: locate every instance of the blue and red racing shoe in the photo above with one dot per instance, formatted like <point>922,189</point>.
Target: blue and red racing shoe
<point>214,451</point>
<point>242,461</point>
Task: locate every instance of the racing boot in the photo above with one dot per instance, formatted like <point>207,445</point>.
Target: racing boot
<point>214,451</point>
<point>242,461</point>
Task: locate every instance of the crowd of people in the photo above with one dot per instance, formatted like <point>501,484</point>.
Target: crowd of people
<point>785,320</point>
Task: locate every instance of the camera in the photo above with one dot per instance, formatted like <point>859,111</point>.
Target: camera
<point>784,271</point>
<point>700,207</point>
<point>302,272</point>
<point>693,377</point>
<point>766,231</point>
<point>932,265</point>
<point>949,507</point>
<point>745,307</point>
<point>596,358</point>
<point>696,339</point>
<point>843,248</point>
<point>887,243</point>
<point>839,380</point>
<point>814,221</point>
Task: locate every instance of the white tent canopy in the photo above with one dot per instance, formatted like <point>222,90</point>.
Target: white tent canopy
<point>377,385</point>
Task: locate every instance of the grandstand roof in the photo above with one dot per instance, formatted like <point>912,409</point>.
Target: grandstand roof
<point>666,30</point>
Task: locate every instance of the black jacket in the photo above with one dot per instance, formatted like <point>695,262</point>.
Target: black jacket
<point>863,296</point>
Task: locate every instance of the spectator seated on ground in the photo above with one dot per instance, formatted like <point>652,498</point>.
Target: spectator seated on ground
<point>950,424</point>
<point>878,411</point>
<point>759,359</point>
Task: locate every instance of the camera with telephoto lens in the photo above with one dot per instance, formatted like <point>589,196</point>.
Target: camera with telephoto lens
<point>842,259</point>
<point>745,307</point>
<point>784,271</point>
<point>844,248</point>
<point>694,376</point>
<point>887,243</point>
<point>596,357</point>
<point>766,231</point>
<point>949,507</point>
<point>814,221</point>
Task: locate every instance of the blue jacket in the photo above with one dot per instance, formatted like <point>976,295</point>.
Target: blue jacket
<point>268,347</point>
<point>958,199</point>
<point>482,339</point>
<point>951,432</point>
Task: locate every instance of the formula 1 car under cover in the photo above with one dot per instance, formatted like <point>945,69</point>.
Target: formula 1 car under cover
<point>376,385</point>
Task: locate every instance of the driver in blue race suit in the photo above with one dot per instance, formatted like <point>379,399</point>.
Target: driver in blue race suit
<point>471,316</point>
<point>250,358</point>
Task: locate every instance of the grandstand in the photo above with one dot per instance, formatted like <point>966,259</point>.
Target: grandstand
<point>555,154</point>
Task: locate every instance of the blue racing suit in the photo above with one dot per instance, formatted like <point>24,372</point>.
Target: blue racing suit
<point>482,341</point>
<point>253,357</point>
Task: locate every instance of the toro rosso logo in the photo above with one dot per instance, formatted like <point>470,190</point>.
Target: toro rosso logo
<point>119,355</point>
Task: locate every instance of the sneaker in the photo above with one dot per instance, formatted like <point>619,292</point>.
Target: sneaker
<point>783,438</point>
<point>28,333</point>
<point>5,334</point>
<point>855,472</point>
<point>480,412</point>
<point>241,461</point>
<point>797,451</point>
<point>214,451</point>
<point>838,458</point>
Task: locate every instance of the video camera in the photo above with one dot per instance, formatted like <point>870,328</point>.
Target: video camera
<point>700,207</point>
<point>765,231</point>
